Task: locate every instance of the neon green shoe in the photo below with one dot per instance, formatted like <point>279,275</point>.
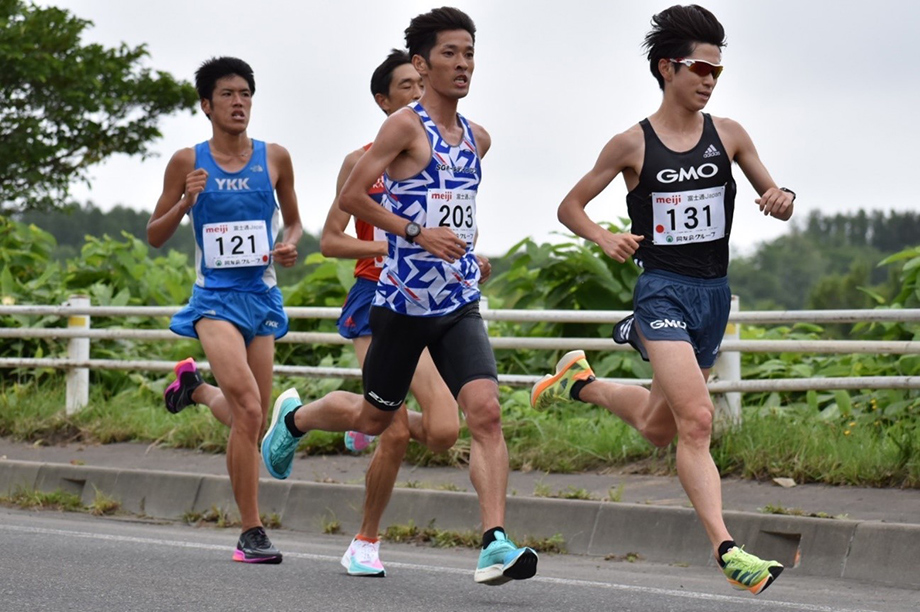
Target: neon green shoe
<point>746,572</point>
<point>554,387</point>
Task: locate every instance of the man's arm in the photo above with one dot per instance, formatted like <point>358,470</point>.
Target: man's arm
<point>181,186</point>
<point>285,251</point>
<point>483,139</point>
<point>396,135</point>
<point>616,156</point>
<point>334,242</point>
<point>772,201</point>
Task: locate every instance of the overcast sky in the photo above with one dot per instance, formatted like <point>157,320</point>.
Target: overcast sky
<point>827,90</point>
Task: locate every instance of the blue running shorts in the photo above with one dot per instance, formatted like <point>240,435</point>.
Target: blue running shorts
<point>356,311</point>
<point>254,314</point>
<point>669,306</point>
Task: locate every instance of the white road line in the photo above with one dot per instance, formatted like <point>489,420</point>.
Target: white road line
<point>446,570</point>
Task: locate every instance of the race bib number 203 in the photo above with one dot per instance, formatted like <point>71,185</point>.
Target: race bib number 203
<point>453,208</point>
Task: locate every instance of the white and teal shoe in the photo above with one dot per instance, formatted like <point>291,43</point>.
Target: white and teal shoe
<point>278,445</point>
<point>363,559</point>
<point>502,561</point>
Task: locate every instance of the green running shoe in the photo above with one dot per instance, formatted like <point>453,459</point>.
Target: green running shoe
<point>502,561</point>
<point>746,572</point>
<point>554,387</point>
<point>278,445</point>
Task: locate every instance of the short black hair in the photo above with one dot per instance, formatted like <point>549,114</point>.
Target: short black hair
<point>422,33</point>
<point>383,75</point>
<point>216,68</point>
<point>676,30</point>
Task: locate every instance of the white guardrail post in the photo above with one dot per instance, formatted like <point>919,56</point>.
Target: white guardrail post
<point>77,350</point>
<point>727,368</point>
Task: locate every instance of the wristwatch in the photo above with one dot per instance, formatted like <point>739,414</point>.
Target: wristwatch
<point>413,229</point>
<point>789,191</point>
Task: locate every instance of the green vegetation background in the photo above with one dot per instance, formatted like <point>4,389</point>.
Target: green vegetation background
<point>866,437</point>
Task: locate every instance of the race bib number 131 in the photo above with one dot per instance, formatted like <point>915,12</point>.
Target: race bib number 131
<point>685,217</point>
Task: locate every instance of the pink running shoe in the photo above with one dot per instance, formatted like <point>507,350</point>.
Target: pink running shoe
<point>178,394</point>
<point>355,441</point>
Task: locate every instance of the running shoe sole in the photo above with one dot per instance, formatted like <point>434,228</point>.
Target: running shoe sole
<point>522,567</point>
<point>567,361</point>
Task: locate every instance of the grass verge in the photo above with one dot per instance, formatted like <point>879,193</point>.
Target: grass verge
<point>794,443</point>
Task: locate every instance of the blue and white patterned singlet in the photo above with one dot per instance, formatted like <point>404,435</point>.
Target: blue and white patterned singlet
<point>413,281</point>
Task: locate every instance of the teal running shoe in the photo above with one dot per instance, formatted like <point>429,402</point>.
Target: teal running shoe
<point>502,561</point>
<point>746,572</point>
<point>278,445</point>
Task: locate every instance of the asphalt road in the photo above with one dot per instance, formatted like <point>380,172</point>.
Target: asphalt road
<point>52,561</point>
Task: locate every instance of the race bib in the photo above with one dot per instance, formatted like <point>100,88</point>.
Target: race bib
<point>379,236</point>
<point>687,217</point>
<point>453,208</point>
<point>235,244</point>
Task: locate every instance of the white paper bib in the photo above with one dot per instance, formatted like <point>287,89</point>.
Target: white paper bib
<point>235,244</point>
<point>453,208</point>
<point>686,217</point>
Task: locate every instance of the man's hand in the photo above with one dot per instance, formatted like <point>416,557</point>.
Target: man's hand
<point>619,246</point>
<point>775,203</point>
<point>441,242</point>
<point>485,268</point>
<point>285,254</point>
<point>195,182</point>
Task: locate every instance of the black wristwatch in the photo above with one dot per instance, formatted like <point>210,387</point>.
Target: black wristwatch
<point>789,191</point>
<point>413,229</point>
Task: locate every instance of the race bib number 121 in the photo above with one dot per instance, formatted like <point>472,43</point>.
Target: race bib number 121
<point>235,244</point>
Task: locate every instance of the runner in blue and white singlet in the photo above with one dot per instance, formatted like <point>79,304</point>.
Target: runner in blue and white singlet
<point>413,281</point>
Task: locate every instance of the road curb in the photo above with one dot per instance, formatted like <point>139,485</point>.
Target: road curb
<point>863,550</point>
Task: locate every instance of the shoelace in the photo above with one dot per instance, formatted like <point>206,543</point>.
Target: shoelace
<point>744,561</point>
<point>365,551</point>
<point>259,539</point>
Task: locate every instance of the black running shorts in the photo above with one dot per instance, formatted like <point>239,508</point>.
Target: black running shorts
<point>457,341</point>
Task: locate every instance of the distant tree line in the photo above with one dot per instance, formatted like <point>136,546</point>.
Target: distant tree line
<point>826,261</point>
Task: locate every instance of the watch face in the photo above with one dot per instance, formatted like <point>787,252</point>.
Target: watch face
<point>413,230</point>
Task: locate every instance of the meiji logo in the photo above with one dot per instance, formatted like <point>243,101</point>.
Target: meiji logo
<point>216,229</point>
<point>447,197</point>
<point>660,323</point>
<point>237,184</point>
<point>385,402</point>
<point>674,200</point>
<point>711,151</point>
<point>272,324</point>
<point>670,176</point>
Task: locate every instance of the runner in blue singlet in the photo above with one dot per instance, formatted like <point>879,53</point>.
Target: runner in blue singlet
<point>227,186</point>
<point>677,165</point>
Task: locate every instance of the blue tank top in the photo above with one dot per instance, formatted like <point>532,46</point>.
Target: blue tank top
<point>235,219</point>
<point>413,281</point>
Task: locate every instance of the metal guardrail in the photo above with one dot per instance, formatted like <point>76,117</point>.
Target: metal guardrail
<point>78,313</point>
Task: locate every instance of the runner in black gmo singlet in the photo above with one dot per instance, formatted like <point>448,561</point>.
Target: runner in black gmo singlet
<point>677,167</point>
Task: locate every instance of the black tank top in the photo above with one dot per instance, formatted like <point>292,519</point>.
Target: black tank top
<point>683,205</point>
